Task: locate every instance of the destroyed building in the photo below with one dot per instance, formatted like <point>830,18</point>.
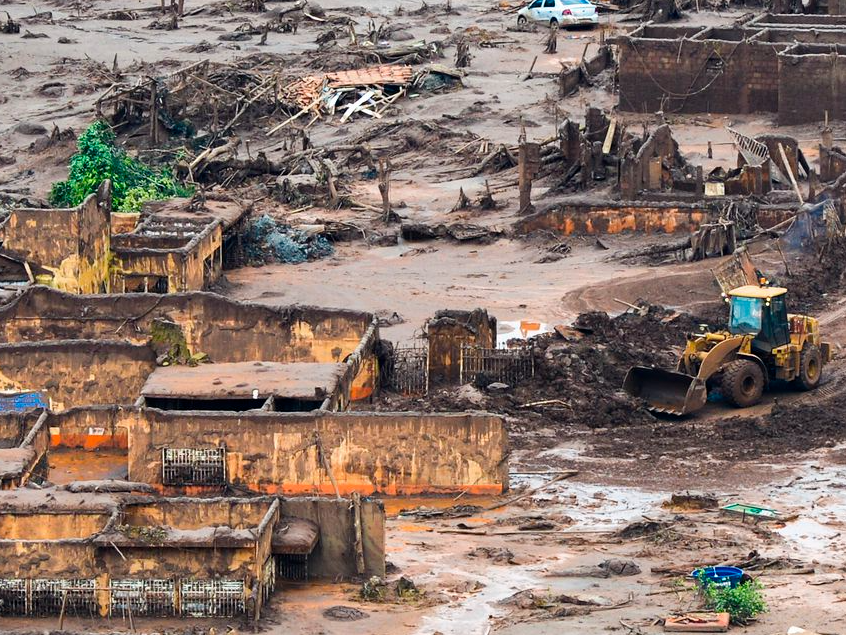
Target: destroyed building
<point>190,408</point>
<point>767,63</point>
<point>113,556</point>
<point>71,245</point>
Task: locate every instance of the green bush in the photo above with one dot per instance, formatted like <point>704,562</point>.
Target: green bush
<point>742,602</point>
<point>98,159</point>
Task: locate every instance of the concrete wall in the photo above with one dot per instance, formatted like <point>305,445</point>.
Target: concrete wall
<point>613,217</point>
<point>73,244</point>
<point>89,427</point>
<point>184,268</point>
<point>65,559</point>
<point>334,554</point>
<point>389,453</point>
<point>226,330</point>
<point>77,372</point>
<point>267,452</point>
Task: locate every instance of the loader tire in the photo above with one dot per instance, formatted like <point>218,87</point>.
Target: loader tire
<point>743,383</point>
<point>810,368</point>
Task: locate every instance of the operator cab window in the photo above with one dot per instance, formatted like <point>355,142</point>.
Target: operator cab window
<point>745,316</point>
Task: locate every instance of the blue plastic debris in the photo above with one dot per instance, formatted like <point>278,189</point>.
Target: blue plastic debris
<point>22,401</point>
<point>268,240</point>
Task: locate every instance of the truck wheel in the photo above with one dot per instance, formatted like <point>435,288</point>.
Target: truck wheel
<point>743,383</point>
<point>521,20</point>
<point>810,368</point>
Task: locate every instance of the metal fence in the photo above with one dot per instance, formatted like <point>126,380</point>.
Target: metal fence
<point>212,598</point>
<point>71,597</point>
<point>506,365</point>
<point>293,567</point>
<point>268,577</point>
<point>189,466</point>
<point>142,597</point>
<point>13,597</point>
<point>128,598</point>
<point>408,372</point>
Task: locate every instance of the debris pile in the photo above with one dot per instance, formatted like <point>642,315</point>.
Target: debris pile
<point>368,91</point>
<point>268,240</point>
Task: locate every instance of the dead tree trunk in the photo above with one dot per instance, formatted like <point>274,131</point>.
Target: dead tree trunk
<point>552,40</point>
<point>385,187</point>
<point>462,54</point>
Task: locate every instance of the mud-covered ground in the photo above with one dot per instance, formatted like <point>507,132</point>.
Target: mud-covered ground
<point>786,453</point>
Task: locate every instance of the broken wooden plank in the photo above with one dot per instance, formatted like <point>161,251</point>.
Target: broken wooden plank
<point>355,106</point>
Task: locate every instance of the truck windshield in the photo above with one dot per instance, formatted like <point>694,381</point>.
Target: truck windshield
<point>745,316</point>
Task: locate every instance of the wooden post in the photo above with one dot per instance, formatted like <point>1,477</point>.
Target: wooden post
<point>62,612</point>
<point>385,187</point>
<point>359,542</point>
<point>528,165</point>
<point>154,117</point>
<point>790,174</point>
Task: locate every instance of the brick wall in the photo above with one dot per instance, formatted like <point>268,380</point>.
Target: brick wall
<point>717,76</point>
<point>809,85</point>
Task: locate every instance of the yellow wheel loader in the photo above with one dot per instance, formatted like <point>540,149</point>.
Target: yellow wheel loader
<point>763,342</point>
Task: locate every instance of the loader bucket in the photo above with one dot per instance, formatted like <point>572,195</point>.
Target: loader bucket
<point>666,391</point>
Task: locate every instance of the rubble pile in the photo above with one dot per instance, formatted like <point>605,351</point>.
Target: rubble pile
<point>267,240</point>
<point>585,369</point>
<point>581,369</point>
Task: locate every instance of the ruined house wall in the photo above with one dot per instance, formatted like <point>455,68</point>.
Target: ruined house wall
<point>95,243</point>
<point>73,244</point>
<point>805,71</point>
<point>226,330</point>
<point>77,372</point>
<point>613,218</point>
<point>570,79</point>
<point>42,526</point>
<point>185,269</point>
<point>236,514</point>
<point>89,427</point>
<point>718,76</point>
<point>832,163</point>
<point>124,222</point>
<point>14,426</point>
<point>236,563</point>
<point>447,332</point>
<point>19,559</point>
<point>334,554</point>
<point>645,170</point>
<point>389,453</point>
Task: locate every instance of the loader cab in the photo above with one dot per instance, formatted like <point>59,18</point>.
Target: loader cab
<point>762,312</point>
